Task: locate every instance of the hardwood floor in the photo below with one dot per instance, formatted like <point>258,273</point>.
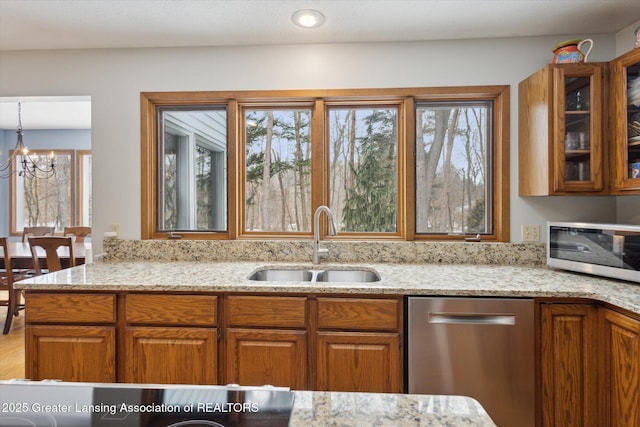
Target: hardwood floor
<point>12,348</point>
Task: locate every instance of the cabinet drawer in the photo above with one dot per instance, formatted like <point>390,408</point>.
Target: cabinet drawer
<point>197,310</point>
<point>278,312</point>
<point>70,308</point>
<point>359,313</point>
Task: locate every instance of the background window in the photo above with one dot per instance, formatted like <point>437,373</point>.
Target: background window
<point>83,188</point>
<point>44,199</point>
<point>363,169</point>
<point>453,152</point>
<point>277,188</point>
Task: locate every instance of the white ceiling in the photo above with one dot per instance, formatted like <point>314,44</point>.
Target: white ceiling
<point>84,24</point>
<point>78,24</point>
<point>46,112</point>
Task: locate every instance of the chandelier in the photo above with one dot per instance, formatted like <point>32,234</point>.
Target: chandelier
<point>24,164</point>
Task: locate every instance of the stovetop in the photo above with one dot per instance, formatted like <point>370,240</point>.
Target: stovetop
<point>57,404</point>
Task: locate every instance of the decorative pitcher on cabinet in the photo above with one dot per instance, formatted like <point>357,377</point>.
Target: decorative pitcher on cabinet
<point>571,51</point>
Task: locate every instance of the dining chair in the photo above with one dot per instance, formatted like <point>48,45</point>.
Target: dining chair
<point>37,231</point>
<point>13,301</point>
<point>79,232</point>
<point>50,246</point>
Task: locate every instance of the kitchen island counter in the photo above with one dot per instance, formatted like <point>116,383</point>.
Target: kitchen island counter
<point>321,409</point>
<point>396,279</point>
<point>140,405</point>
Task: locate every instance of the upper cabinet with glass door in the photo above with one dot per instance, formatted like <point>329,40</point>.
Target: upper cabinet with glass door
<point>625,110</point>
<point>561,130</point>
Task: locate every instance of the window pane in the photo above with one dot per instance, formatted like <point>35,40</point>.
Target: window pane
<point>364,168</point>
<point>192,169</point>
<point>278,168</point>
<point>84,191</point>
<point>45,200</point>
<point>452,167</point>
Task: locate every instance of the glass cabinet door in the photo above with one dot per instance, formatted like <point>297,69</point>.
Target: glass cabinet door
<point>578,151</point>
<point>625,107</point>
<point>633,123</point>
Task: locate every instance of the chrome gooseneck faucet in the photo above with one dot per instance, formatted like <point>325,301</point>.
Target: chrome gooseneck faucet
<point>317,251</point>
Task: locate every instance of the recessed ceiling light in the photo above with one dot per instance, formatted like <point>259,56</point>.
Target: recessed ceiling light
<point>308,18</point>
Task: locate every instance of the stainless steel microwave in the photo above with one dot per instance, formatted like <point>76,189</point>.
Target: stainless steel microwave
<point>608,250</point>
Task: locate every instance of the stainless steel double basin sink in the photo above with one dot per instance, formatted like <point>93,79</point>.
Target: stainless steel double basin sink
<point>359,275</point>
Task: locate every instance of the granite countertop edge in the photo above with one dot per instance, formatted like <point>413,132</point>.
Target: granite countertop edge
<point>396,279</point>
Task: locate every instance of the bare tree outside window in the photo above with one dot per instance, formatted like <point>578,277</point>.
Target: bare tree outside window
<point>452,167</point>
<point>278,170</point>
<point>46,199</point>
<point>363,167</point>
<point>394,164</point>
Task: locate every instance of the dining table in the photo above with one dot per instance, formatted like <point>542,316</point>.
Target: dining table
<point>21,257</point>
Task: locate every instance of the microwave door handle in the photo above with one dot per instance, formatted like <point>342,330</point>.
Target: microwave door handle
<point>471,319</point>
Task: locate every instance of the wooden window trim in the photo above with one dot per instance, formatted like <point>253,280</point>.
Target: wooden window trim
<point>320,99</point>
<point>243,107</point>
<point>399,104</point>
<point>500,96</point>
<point>149,157</point>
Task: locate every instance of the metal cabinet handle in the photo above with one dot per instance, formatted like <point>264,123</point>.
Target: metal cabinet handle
<point>472,319</point>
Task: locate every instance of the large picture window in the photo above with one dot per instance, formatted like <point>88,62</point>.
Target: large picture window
<point>406,164</point>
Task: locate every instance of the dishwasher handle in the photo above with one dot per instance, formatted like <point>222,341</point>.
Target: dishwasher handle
<point>471,319</point>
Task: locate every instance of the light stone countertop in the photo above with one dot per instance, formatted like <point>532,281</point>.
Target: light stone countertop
<point>338,409</point>
<point>396,279</point>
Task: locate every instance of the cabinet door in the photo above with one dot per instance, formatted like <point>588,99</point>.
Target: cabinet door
<point>569,365</point>
<point>621,344</point>
<point>262,356</point>
<point>358,361</point>
<point>578,154</point>
<point>71,353</point>
<point>625,115</point>
<point>171,355</point>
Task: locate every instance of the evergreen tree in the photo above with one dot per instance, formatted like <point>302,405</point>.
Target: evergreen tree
<point>371,202</point>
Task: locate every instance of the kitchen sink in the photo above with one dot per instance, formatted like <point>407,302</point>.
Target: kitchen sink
<point>347,276</point>
<point>358,275</point>
<point>282,275</point>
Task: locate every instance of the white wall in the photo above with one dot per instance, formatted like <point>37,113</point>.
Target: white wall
<point>625,38</point>
<point>115,78</point>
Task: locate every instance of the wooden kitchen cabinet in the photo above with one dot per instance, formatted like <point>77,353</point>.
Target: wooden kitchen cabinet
<point>590,366</point>
<point>266,341</point>
<point>621,385</point>
<point>625,118</point>
<point>171,339</point>
<point>70,337</point>
<point>71,353</point>
<point>358,361</point>
<point>359,345</point>
<point>569,368</point>
<point>267,356</point>
<point>560,130</point>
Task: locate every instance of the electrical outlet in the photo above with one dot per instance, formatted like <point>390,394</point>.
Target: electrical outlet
<point>116,229</point>
<point>530,233</point>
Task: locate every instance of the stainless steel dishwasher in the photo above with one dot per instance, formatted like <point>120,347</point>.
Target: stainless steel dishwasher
<point>478,347</point>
